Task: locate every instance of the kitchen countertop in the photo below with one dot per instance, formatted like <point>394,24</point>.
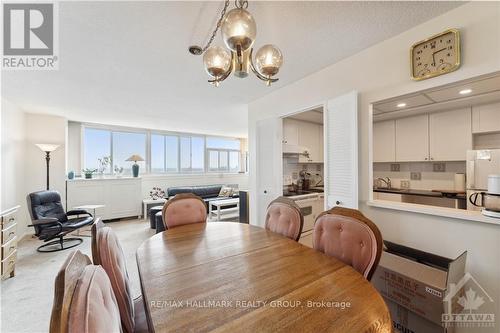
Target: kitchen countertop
<point>425,193</point>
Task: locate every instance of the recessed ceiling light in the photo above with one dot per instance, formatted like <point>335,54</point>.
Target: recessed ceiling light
<point>401,105</point>
<point>465,91</point>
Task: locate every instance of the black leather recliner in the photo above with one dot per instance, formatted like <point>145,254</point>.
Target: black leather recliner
<point>50,221</point>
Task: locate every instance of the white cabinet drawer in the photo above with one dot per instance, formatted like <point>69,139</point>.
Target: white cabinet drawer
<point>9,247</point>
<point>9,233</point>
<point>9,263</point>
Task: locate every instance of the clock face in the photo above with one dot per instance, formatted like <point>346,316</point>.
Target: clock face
<point>437,55</point>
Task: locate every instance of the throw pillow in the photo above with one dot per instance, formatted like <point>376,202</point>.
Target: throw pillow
<point>225,191</point>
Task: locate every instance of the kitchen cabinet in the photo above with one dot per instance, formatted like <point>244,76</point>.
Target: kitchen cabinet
<point>486,118</point>
<point>412,138</point>
<point>311,137</point>
<point>305,134</point>
<point>384,141</point>
<point>290,132</point>
<point>450,135</point>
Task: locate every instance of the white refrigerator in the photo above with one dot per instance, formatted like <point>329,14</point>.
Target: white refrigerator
<point>480,164</point>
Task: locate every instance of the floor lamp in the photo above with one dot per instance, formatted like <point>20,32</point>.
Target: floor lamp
<point>47,148</point>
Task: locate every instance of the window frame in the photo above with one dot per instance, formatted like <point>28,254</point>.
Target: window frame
<point>148,158</point>
<point>219,169</point>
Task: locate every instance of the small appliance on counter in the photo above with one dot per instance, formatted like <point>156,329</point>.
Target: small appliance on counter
<point>480,165</point>
<point>304,181</point>
<point>489,201</point>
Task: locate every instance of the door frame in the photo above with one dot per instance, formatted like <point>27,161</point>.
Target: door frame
<point>323,105</point>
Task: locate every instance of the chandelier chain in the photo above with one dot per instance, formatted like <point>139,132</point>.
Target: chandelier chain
<point>241,4</point>
<point>217,27</point>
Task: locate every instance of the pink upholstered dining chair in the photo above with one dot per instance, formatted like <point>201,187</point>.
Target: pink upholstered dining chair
<point>108,253</point>
<point>184,208</point>
<point>84,301</point>
<point>349,236</point>
<point>284,217</point>
<point>94,307</point>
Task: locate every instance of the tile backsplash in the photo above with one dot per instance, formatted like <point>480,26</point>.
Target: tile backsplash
<point>292,167</point>
<point>433,175</point>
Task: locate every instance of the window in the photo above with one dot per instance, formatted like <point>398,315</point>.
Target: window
<point>223,143</point>
<point>192,154</point>
<point>162,153</point>
<point>96,146</point>
<point>172,155</point>
<point>126,144</point>
<point>157,153</point>
<point>223,154</point>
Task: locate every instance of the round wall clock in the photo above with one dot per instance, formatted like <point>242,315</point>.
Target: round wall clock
<point>436,55</point>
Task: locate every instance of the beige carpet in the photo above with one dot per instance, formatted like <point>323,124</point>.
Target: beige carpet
<point>27,298</point>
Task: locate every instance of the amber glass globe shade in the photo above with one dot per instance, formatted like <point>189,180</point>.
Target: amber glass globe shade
<point>238,29</point>
<point>217,61</point>
<point>268,60</point>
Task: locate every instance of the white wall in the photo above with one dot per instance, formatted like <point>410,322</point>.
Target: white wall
<point>45,129</point>
<point>74,154</point>
<point>13,161</point>
<point>383,71</point>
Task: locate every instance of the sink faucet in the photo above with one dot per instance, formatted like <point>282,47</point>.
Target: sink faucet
<point>386,180</point>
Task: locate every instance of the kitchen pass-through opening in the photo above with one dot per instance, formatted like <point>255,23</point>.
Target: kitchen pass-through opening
<point>440,148</point>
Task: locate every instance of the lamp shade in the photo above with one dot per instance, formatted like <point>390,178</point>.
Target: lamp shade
<point>135,158</point>
<point>47,147</point>
<point>238,29</point>
<point>269,60</point>
<point>217,61</point>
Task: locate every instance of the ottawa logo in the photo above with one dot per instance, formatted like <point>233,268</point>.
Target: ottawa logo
<point>467,305</point>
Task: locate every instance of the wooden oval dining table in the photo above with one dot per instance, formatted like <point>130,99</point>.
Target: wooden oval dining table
<point>232,277</point>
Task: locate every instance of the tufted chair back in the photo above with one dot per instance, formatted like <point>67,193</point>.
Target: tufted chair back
<point>64,286</point>
<point>43,204</point>
<point>94,307</point>
<point>109,254</point>
<point>284,217</point>
<point>349,236</point>
<point>184,208</point>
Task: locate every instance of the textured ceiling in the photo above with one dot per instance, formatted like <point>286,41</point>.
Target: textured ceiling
<point>126,63</point>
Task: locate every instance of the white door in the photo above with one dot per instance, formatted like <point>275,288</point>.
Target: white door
<point>269,164</point>
<point>341,131</point>
<point>450,135</point>
<point>412,139</point>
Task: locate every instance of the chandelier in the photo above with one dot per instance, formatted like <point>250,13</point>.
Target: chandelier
<point>238,31</point>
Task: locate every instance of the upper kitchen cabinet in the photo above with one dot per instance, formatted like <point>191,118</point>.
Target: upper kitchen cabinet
<point>384,141</point>
<point>290,132</point>
<point>310,135</point>
<point>486,118</point>
<point>412,138</point>
<point>450,135</point>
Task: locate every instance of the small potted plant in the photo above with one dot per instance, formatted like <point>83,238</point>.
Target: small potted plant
<point>118,171</point>
<point>103,164</point>
<point>88,173</point>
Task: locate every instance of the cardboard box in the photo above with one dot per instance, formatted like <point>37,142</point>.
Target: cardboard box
<point>405,321</point>
<point>417,281</point>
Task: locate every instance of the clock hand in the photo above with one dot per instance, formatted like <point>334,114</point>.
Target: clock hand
<point>434,54</point>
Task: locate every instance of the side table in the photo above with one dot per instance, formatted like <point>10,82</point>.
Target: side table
<point>147,202</point>
<point>87,208</point>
